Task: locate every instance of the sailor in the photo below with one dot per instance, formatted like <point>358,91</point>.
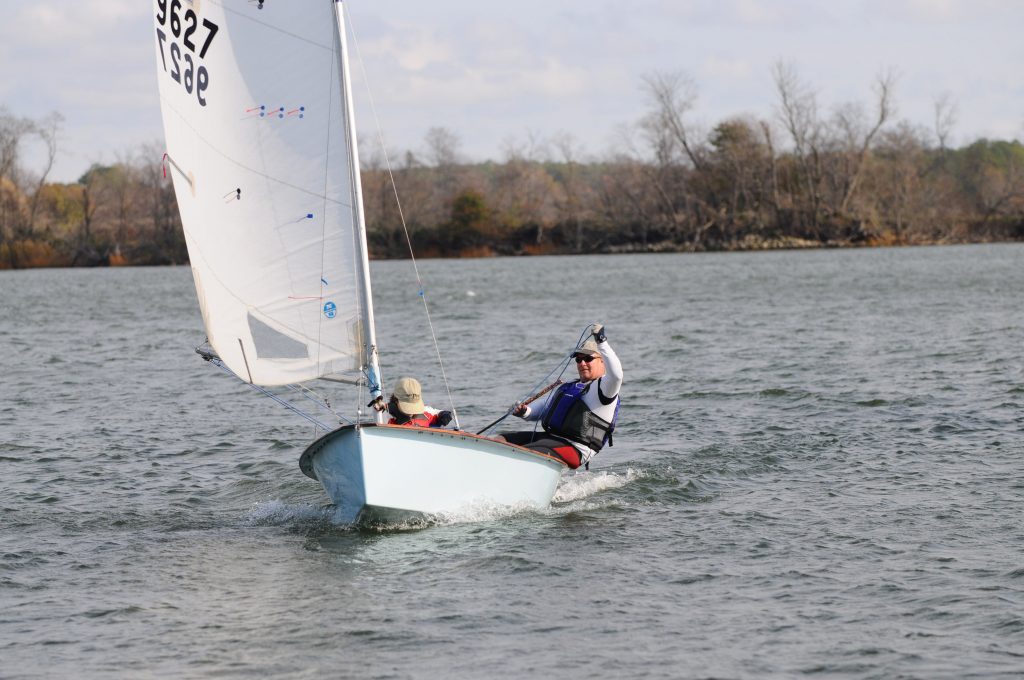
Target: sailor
<point>579,417</point>
<point>407,408</point>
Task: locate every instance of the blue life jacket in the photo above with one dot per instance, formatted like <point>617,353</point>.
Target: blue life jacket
<point>568,416</point>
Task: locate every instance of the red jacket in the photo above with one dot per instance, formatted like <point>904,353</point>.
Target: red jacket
<point>429,418</point>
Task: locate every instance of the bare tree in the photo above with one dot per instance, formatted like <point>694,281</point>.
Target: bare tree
<point>858,137</point>
<point>945,118</point>
<point>897,183</point>
<point>773,177</point>
<point>47,130</point>
<point>443,154</point>
<point>532,148</point>
<point>123,180</point>
<point>679,158</point>
<point>525,189</point>
<point>625,195</point>
<point>673,96</point>
<point>570,152</point>
<point>442,147</point>
<point>379,194</point>
<point>798,111</point>
<point>160,199</point>
<point>13,130</point>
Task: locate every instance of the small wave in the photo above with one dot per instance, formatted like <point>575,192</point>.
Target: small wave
<point>774,392</point>
<point>479,511</point>
<point>279,513</point>
<point>585,484</point>
<point>117,611</point>
<point>472,513</point>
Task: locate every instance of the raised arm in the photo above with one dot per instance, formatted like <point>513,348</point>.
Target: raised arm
<point>611,382</point>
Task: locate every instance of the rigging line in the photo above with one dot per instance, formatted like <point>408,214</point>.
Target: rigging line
<point>561,367</point>
<point>401,215</point>
<point>270,26</point>
<point>319,401</point>
<point>563,363</point>
<point>536,391</point>
<point>283,402</point>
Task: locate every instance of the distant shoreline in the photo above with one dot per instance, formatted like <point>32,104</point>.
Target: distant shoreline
<point>749,244</point>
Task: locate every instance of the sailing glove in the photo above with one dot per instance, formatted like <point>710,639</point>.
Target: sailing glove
<point>597,330</point>
<point>443,418</point>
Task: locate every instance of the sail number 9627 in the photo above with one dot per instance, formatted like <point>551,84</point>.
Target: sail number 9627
<point>182,65</point>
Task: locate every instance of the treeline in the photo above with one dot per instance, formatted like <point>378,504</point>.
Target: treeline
<point>851,176</point>
<point>118,214</point>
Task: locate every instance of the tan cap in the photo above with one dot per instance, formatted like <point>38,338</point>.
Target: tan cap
<point>407,393</point>
<point>588,348</point>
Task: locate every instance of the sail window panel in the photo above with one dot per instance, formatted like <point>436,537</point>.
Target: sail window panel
<point>273,344</point>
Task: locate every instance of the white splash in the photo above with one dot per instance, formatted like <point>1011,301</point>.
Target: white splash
<point>483,511</point>
<point>585,484</point>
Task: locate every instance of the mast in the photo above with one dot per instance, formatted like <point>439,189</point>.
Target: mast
<point>369,330</point>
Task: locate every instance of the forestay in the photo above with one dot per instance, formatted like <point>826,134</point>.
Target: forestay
<point>254,100</point>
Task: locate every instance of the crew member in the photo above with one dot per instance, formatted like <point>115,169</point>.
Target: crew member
<point>407,408</point>
<point>578,418</point>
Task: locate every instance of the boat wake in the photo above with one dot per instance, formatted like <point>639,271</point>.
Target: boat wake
<point>582,485</point>
<point>574,493</point>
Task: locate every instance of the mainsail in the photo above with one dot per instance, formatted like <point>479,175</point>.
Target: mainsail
<point>256,111</point>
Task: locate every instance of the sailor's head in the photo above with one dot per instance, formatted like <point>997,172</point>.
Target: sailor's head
<point>589,363</point>
<point>407,397</point>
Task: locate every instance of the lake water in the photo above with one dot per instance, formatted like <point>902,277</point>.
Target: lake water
<point>818,471</point>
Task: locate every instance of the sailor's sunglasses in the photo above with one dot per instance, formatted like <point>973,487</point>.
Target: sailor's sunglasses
<point>581,358</point>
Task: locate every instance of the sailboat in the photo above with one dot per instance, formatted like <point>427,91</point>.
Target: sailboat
<point>261,146</point>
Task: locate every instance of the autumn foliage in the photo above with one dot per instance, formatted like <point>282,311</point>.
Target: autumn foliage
<point>853,176</point>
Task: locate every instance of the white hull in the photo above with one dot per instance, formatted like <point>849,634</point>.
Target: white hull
<point>390,472</point>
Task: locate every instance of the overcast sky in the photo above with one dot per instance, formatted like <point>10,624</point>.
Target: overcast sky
<point>494,72</point>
